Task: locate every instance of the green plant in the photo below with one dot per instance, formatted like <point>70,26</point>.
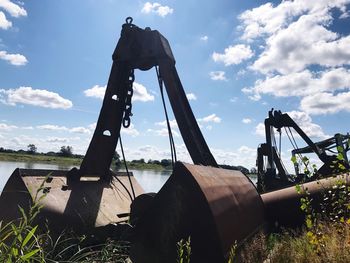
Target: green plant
<point>19,239</point>
<point>184,251</point>
<point>232,252</point>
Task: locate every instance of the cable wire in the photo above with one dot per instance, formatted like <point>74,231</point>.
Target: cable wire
<point>126,168</point>
<point>171,138</point>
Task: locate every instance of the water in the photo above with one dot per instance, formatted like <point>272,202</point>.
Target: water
<point>150,180</point>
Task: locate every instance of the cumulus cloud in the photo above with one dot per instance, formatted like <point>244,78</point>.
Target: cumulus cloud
<point>96,92</point>
<point>13,59</point>
<point>303,83</point>
<point>302,55</point>
<point>6,127</point>
<point>268,19</point>
<point>305,42</point>
<point>4,23</point>
<point>246,120</point>
<point>34,97</point>
<point>233,55</point>
<point>172,123</point>
<point>163,132</point>
<point>140,92</point>
<point>324,103</point>
<point>157,9</point>
<point>57,140</point>
<point>204,38</point>
<point>210,118</point>
<point>217,75</point>
<point>52,127</point>
<point>191,96</point>
<point>80,129</point>
<point>12,8</point>
<point>131,131</point>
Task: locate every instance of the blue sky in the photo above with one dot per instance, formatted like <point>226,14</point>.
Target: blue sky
<point>236,60</point>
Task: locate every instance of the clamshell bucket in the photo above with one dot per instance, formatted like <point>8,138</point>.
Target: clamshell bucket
<point>214,207</point>
<point>82,205</point>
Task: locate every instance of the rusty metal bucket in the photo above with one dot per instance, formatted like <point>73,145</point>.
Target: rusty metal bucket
<point>82,205</point>
<point>214,207</point>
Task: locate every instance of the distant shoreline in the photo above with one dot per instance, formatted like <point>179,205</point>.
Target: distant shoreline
<point>70,161</point>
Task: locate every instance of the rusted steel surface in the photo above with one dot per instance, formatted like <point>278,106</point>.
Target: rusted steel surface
<point>215,207</point>
<point>141,49</point>
<point>86,204</point>
<point>283,206</point>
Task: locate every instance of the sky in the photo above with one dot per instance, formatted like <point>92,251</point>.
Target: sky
<point>236,61</point>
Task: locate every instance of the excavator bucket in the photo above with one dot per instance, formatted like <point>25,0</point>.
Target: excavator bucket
<point>82,205</point>
<point>213,207</point>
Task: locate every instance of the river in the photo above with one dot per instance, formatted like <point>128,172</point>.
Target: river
<point>150,180</point>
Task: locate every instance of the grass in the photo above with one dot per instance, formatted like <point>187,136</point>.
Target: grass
<point>147,166</point>
<point>295,247</point>
<point>34,158</point>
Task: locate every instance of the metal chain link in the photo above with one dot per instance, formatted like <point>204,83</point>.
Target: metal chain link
<point>128,106</point>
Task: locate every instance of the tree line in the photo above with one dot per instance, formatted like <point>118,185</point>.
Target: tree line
<point>64,151</point>
<point>67,151</point>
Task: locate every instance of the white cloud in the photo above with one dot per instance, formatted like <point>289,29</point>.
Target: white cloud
<point>6,127</point>
<point>163,132</point>
<point>303,83</point>
<point>246,121</point>
<point>52,127</point>
<point>304,121</point>
<point>210,118</point>
<point>233,55</point>
<point>325,103</point>
<point>204,38</point>
<point>27,128</point>
<point>80,130</point>
<point>131,131</point>
<point>302,55</point>
<point>140,92</point>
<point>4,23</point>
<point>156,8</point>
<point>57,140</point>
<point>305,42</point>
<point>344,15</point>
<point>172,123</point>
<point>217,75</point>
<point>191,96</point>
<point>96,92</point>
<point>268,19</point>
<point>13,59</point>
<point>246,150</point>
<point>92,126</point>
<point>34,97</point>
<point>13,9</point>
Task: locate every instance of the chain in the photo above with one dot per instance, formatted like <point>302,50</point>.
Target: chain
<point>128,106</point>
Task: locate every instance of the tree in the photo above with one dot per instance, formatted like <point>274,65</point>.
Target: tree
<point>31,149</point>
<point>165,162</point>
<point>66,151</point>
<point>253,170</point>
<point>118,162</point>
